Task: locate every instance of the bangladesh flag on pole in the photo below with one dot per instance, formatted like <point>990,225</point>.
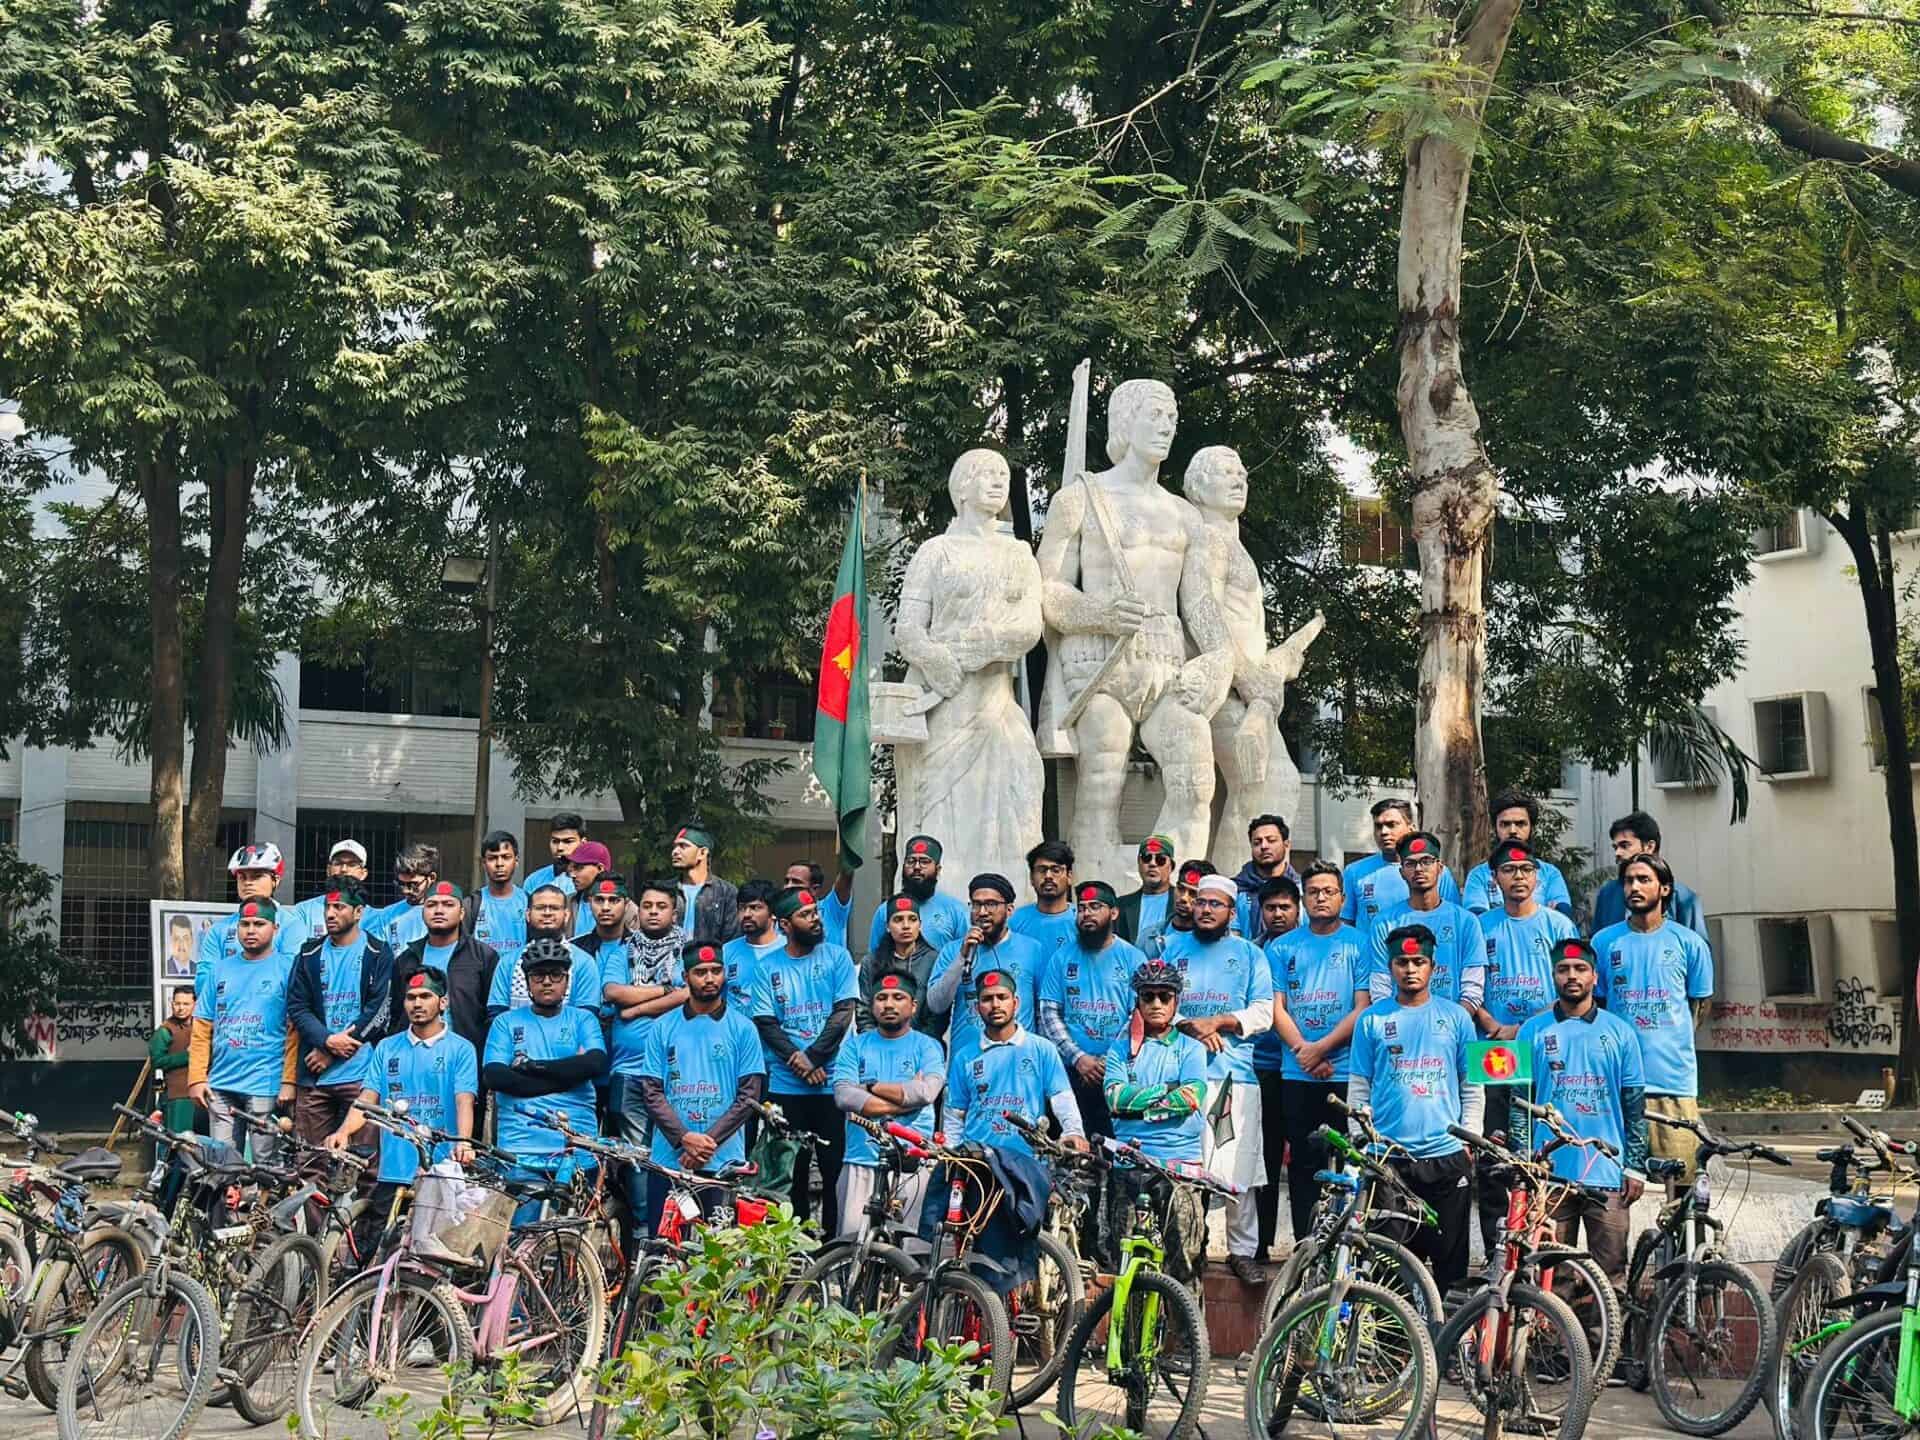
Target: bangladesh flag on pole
<point>1499,1062</point>
<point>842,754</point>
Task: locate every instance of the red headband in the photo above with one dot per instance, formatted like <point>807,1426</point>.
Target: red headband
<point>990,979</point>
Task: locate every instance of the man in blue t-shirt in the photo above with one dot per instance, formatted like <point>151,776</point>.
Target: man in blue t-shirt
<point>890,1072</point>
<point>339,1000</point>
<point>308,920</point>
<point>543,1058</point>
<point>1009,1069</point>
<point>704,1072</point>
<point>1408,1067</point>
<point>497,916</point>
<point>1227,1003</point>
<point>836,900</point>
<point>759,937</point>
<point>1375,885</point>
<point>564,833</point>
<point>1657,975</point>
<point>1049,920</point>
<point>1460,959</point>
<point>1086,998</point>
<point>1586,1064</point>
<point>804,998</point>
<point>436,1073</point>
<point>1639,834</point>
<point>987,943</point>
<point>547,909</point>
<point>943,919</point>
<point>242,1052</point>
<point>1515,815</point>
<point>1319,993</point>
<point>256,870</point>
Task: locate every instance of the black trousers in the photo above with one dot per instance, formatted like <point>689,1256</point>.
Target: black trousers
<point>1290,1112</point>
<point>1445,1183</point>
<point>818,1115</point>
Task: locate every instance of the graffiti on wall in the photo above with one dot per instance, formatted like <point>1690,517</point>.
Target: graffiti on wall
<point>1857,1019</point>
<point>93,1030</point>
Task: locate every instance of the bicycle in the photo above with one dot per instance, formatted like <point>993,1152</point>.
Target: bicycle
<point>1515,1347</point>
<point>1348,1354</point>
<point>869,1273</point>
<point>1044,1313</point>
<point>1838,1250</point>
<point>58,1259</point>
<point>1700,1330</point>
<point>1150,1373</point>
<point>399,1333</point>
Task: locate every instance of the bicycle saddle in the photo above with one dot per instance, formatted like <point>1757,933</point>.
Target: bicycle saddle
<point>91,1165</point>
<point>538,1189</point>
<point>1661,1168</point>
<point>737,1170</point>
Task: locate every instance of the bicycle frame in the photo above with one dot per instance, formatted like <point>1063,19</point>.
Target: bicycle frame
<point>1141,1250</point>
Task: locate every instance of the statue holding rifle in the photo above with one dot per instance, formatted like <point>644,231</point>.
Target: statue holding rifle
<point>1137,641</point>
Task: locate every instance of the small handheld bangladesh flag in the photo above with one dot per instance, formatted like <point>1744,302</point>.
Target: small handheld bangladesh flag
<point>842,752</point>
<point>1499,1062</point>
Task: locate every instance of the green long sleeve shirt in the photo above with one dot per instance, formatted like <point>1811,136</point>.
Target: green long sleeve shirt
<point>158,1047</point>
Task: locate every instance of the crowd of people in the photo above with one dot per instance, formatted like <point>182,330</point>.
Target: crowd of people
<point>1209,1019</point>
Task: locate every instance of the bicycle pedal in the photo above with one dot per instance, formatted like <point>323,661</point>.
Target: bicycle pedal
<point>14,1386</point>
<point>1025,1324</point>
<point>226,1376</point>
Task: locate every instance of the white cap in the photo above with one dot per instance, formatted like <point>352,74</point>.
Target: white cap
<point>1217,885</point>
<point>350,847</point>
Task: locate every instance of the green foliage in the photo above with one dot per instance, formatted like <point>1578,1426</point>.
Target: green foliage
<point>33,971</point>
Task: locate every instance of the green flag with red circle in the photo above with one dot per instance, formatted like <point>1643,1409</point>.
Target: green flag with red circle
<point>842,750</point>
<point>1499,1062</point>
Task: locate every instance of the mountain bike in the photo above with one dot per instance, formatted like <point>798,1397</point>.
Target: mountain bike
<point>1348,1356</point>
<point>1515,1348</point>
<point>870,1273</point>
<point>1836,1223</point>
<point>1700,1330</point>
<point>1044,1313</point>
<point>57,1260</point>
<point>1148,1372</point>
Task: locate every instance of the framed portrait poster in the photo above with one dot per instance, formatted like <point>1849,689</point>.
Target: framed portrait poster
<point>177,927</point>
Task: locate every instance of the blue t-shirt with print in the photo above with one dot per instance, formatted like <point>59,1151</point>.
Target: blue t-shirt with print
<point>501,921</point>
<point>527,1034</point>
<point>509,990</point>
<point>1415,1059</point>
<point>699,1061</point>
<point>1094,990</point>
<point>399,924</point>
<point>1046,931</point>
<point>1459,951</point>
<point>340,1000</point>
<point>1581,1067</point>
<point>798,993</point>
<point>247,1002</point>
<point>942,919</point>
<point>430,1078</point>
<point>307,920</point>
<point>1481,894</point>
<point>1317,975</point>
<point>1173,1059</point>
<point>1649,980</point>
<point>1519,979</point>
<point>222,938</point>
<point>869,1059</point>
<point>1228,974</point>
<point>630,1037</point>
<point>987,1080</point>
<point>1374,886</point>
<point>1015,954</point>
<point>743,959</point>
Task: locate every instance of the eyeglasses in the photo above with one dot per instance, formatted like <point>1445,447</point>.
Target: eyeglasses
<point>1211,902</point>
<point>1421,862</point>
<point>989,904</point>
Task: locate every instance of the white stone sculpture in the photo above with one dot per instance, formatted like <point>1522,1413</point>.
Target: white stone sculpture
<point>1126,588</point>
<point>969,613</point>
<point>1260,775</point>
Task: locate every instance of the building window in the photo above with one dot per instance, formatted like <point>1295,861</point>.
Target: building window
<point>1877,732</point>
<point>1797,532</point>
<point>1372,534</point>
<point>1786,958</point>
<point>1789,733</point>
<point>1670,767</point>
<point>393,680</point>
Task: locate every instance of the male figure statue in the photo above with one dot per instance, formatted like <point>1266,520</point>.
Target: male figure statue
<point>1260,775</point>
<point>1123,566</point>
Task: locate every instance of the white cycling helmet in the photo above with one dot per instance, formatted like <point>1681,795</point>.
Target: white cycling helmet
<point>260,855</point>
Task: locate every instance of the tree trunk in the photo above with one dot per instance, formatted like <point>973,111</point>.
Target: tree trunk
<point>1872,549</point>
<point>167,719</point>
<point>229,496</point>
<point>1454,485</point>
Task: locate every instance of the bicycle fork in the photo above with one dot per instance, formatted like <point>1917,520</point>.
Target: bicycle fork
<point>1906,1388</point>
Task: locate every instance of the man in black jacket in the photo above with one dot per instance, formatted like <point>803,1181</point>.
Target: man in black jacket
<point>469,965</point>
<point>712,906</point>
<point>1144,911</point>
<point>339,1003</point>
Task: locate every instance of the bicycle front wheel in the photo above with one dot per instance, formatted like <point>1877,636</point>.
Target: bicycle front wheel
<point>1160,1385</point>
<point>633,1317</point>
<point>143,1364</point>
<point>1361,1370</point>
<point>1579,1280</point>
<point>956,1308</point>
<point>1043,1317</point>
<point>1806,1324</point>
<point>66,1295</point>
<point>1377,1260</point>
<point>1850,1393</point>
<point>1524,1369</point>
<point>558,1322</point>
<point>1709,1347</point>
<point>371,1365</point>
<point>283,1293</point>
<point>838,1277</point>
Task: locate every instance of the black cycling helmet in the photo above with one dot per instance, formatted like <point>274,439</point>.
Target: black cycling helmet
<point>1159,975</point>
<point>546,953</point>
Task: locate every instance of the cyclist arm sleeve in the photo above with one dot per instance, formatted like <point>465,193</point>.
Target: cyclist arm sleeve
<point>745,1097</point>
<point>924,1088</point>
<point>1066,1110</point>
<point>1633,1128</point>
<point>941,993</point>
<point>574,1069</point>
<point>665,1119</point>
<point>1053,1025</point>
<point>774,1038</point>
<point>827,1043</point>
<point>1473,1107</point>
<point>1359,1091</point>
<point>508,1081</point>
<point>852,1097</point>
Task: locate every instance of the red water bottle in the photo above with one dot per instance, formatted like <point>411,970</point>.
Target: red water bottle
<point>956,1202</point>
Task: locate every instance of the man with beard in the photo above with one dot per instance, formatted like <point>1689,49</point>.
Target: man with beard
<point>1653,972</point>
<point>942,918</point>
<point>1086,998</point>
<point>497,915</point>
<point>704,1071</point>
<point>1227,1002</point>
<point>759,937</point>
<point>547,919</point>
<point>640,979</point>
<point>541,1057</point>
<point>1050,919</point>
<point>1515,816</point>
<point>242,1051</point>
<point>1409,1068</point>
<point>1144,912</point>
<point>836,901</point>
<point>710,908</point>
<point>1587,1065</point>
<point>804,998</point>
<point>1460,948</point>
<point>346,861</point>
<point>564,832</point>
<point>1180,909</point>
<point>415,869</point>
<point>1374,885</point>
<point>340,1001</point>
<point>987,945</point>
<point>907,951</point>
<point>1270,850</point>
<point>890,1072</point>
<point>472,968</point>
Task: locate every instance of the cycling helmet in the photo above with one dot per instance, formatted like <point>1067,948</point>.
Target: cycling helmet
<point>1159,975</point>
<point>258,855</point>
<point>546,953</point>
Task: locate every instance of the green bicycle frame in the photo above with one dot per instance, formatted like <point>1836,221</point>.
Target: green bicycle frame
<point>1140,1250</point>
<point>1342,1153</point>
<point>1906,1386</point>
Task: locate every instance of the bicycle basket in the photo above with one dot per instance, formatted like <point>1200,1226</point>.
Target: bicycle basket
<point>457,1221</point>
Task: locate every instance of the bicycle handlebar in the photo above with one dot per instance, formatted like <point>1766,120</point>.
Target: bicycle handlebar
<point>1711,1144</point>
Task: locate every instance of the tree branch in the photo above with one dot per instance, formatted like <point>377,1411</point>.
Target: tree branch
<point>1797,132</point>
